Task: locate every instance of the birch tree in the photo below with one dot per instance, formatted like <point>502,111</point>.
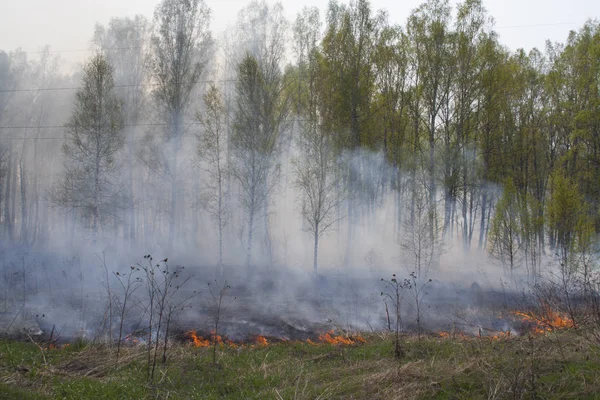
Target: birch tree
<point>125,43</point>
<point>95,136</point>
<point>259,114</point>
<point>317,176</point>
<point>212,154</point>
<point>180,51</point>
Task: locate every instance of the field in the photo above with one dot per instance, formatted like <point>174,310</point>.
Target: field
<point>556,365</point>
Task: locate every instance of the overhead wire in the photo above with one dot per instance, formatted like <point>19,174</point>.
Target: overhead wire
<point>66,127</point>
<point>115,86</point>
<point>149,84</point>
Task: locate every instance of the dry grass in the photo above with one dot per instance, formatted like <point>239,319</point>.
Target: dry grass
<point>559,365</point>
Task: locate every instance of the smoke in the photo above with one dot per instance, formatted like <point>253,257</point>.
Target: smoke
<point>390,221</point>
<point>66,282</point>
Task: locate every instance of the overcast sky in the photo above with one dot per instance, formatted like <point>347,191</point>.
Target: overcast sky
<point>69,24</point>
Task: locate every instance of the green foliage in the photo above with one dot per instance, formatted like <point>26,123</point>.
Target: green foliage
<point>568,220</point>
<point>90,185</point>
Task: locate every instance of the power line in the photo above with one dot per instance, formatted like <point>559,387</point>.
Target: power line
<point>66,126</point>
<point>125,126</point>
<point>538,25</point>
<point>115,86</point>
<point>101,49</point>
<point>82,50</point>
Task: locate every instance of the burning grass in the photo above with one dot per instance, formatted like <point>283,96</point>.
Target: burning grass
<point>545,321</point>
<point>554,365</point>
<point>528,322</point>
<point>259,340</point>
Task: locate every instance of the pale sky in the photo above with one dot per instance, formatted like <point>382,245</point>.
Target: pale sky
<point>69,24</point>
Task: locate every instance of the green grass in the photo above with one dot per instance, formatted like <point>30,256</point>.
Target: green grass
<point>558,366</point>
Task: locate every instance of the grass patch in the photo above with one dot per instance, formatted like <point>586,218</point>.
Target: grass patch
<point>558,366</point>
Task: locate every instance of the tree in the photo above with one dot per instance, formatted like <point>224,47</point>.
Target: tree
<point>470,66</point>
<point>505,235</point>
<point>318,175</point>
<point>180,49</point>
<point>318,179</point>
<point>90,185</point>
<point>261,30</point>
<point>125,44</point>
<point>212,153</point>
<point>347,91</point>
<point>393,80</point>
<point>259,116</point>
<point>13,70</point>
<point>493,107</point>
<point>416,241</point>
<point>433,58</point>
<point>568,221</point>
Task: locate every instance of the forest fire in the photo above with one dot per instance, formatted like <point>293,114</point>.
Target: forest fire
<point>330,338</point>
<point>198,341</point>
<point>325,338</point>
<point>547,321</point>
<point>531,322</point>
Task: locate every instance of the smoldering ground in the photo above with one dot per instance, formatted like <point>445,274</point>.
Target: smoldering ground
<point>68,295</point>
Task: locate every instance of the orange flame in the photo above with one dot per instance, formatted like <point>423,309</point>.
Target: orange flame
<point>328,338</point>
<point>548,321</point>
<point>500,335</point>
<point>448,335</point>
<point>52,346</point>
<point>331,339</point>
<point>215,338</point>
<point>261,340</point>
<point>198,341</point>
<point>360,339</point>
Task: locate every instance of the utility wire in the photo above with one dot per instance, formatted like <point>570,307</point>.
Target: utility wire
<point>49,50</point>
<point>115,86</point>
<point>82,50</point>
<point>538,25</point>
<point>66,127</point>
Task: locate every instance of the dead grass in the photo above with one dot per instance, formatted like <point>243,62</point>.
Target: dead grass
<point>559,365</point>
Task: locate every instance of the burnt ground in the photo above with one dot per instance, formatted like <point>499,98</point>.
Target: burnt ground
<point>280,304</point>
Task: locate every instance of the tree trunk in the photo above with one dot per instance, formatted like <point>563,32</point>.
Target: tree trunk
<point>130,200</point>
<point>483,213</point>
<point>24,208</point>
<point>36,228</point>
<point>250,229</point>
<point>316,249</point>
<point>7,196</point>
<point>13,199</point>
<point>220,221</point>
<point>96,197</point>
<point>173,207</point>
<point>176,145</point>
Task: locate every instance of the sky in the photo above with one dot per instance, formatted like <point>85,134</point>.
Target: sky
<point>67,25</point>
